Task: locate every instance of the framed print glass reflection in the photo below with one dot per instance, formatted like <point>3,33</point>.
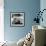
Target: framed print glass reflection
<point>17,19</point>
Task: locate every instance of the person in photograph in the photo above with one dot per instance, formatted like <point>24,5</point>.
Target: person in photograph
<point>16,21</point>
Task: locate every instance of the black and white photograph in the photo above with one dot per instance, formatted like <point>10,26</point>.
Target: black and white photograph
<point>17,18</point>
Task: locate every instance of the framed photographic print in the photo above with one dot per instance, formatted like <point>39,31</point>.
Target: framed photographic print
<point>17,19</point>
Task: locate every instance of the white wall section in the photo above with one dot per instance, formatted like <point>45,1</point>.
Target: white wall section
<point>1,20</point>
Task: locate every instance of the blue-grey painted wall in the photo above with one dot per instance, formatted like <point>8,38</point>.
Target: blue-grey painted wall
<point>29,7</point>
<point>43,6</point>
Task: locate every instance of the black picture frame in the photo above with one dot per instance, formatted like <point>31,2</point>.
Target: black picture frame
<point>17,19</point>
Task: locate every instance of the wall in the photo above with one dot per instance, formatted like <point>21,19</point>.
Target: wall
<point>27,6</point>
<point>43,6</point>
<point>1,21</point>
